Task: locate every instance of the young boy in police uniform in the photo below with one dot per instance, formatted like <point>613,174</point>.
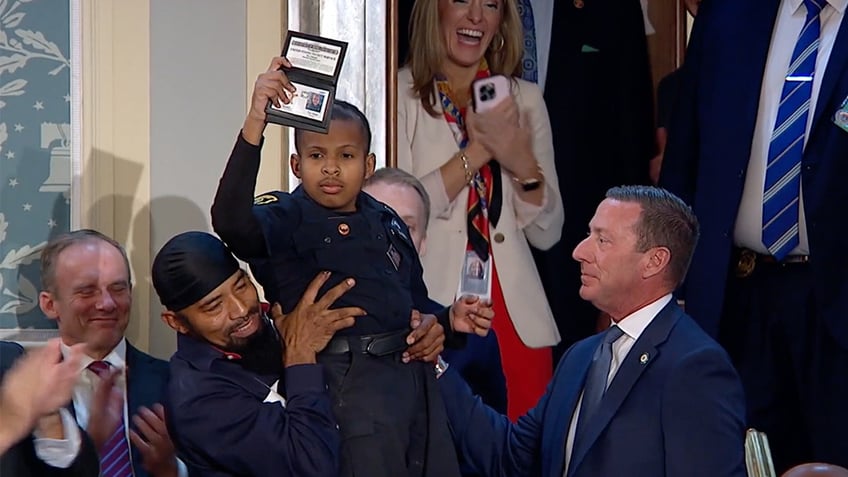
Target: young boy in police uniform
<point>391,418</point>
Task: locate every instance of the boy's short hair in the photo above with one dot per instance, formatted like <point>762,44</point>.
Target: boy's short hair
<point>344,111</point>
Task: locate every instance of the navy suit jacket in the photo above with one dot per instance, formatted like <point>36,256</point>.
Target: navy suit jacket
<point>20,460</point>
<point>478,360</point>
<point>674,408</point>
<point>709,147</point>
<point>224,425</point>
<point>147,384</point>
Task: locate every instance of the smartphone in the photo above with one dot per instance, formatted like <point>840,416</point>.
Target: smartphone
<point>489,92</point>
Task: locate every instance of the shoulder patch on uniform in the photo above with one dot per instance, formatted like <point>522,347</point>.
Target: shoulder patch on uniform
<point>265,199</point>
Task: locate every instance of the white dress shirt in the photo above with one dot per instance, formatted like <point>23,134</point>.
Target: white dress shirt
<point>632,325</point>
<point>748,232</point>
<point>60,453</point>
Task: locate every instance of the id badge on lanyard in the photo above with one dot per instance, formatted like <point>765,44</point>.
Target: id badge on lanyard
<point>475,277</point>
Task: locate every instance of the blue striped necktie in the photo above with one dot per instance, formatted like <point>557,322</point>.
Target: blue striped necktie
<point>782,191</point>
<point>529,66</point>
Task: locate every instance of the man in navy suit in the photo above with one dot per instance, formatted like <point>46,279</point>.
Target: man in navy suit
<point>757,147</point>
<point>652,396</point>
<point>88,291</point>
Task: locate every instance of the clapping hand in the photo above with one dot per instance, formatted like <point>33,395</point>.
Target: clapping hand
<point>500,132</point>
<point>107,408</point>
<point>158,456</point>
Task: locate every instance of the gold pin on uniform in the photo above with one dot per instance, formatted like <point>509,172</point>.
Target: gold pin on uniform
<point>344,228</point>
<point>644,358</point>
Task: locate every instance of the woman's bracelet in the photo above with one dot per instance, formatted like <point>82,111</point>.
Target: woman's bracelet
<point>465,167</point>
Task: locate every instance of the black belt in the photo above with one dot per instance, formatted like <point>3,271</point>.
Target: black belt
<point>376,345</point>
<point>747,260</point>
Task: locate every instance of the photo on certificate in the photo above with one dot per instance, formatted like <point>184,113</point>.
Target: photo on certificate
<point>475,278</point>
<point>308,109</point>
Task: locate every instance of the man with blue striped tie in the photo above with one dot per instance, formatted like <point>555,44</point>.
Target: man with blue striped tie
<point>757,147</point>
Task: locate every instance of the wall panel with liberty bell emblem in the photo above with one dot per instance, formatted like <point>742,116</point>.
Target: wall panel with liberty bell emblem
<point>35,155</point>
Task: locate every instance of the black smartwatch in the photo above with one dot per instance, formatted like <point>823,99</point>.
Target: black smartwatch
<point>530,184</point>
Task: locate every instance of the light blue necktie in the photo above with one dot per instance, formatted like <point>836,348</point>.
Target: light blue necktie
<point>529,67</point>
<point>596,380</point>
<point>782,191</point>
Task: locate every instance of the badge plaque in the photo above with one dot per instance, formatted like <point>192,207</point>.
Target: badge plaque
<point>316,65</point>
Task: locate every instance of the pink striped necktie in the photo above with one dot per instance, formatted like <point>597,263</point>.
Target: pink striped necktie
<point>115,455</point>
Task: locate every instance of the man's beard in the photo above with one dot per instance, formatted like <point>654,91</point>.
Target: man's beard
<point>235,344</point>
<point>262,353</point>
<point>240,344</point>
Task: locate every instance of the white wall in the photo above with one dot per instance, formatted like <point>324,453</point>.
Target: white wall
<point>197,64</point>
<point>165,86</point>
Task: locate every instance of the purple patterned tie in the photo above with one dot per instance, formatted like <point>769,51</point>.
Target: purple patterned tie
<point>115,455</point>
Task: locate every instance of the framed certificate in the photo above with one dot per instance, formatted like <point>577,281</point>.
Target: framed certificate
<point>316,65</point>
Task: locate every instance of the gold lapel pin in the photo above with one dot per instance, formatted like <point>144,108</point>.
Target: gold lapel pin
<point>344,228</point>
<point>644,358</point>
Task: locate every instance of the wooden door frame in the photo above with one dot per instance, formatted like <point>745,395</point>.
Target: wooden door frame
<point>667,46</point>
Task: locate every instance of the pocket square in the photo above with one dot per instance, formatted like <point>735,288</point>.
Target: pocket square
<point>589,49</point>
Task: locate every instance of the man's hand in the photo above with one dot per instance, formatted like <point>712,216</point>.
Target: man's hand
<point>107,408</point>
<point>469,314</point>
<point>38,384</point>
<point>158,456</point>
<point>427,339</point>
<point>310,326</point>
<point>272,85</point>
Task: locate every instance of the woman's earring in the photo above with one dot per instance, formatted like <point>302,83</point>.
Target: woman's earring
<point>497,42</point>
